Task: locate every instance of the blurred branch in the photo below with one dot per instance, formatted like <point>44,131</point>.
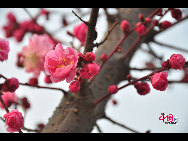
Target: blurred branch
<point>37,86</point>
<point>80,18</point>
<point>169,46</point>
<point>119,124</point>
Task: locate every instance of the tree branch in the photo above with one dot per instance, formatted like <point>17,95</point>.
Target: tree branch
<point>91,34</point>
<point>120,124</point>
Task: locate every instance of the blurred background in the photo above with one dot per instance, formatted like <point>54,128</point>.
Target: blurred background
<point>137,112</point>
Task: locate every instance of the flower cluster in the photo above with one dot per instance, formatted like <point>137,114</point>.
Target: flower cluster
<point>10,85</point>
<point>159,80</point>
<point>87,69</point>
<point>18,30</point>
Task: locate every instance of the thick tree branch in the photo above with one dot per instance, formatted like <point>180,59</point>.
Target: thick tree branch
<point>91,33</point>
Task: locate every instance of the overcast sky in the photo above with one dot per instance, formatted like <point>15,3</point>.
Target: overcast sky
<point>138,112</point>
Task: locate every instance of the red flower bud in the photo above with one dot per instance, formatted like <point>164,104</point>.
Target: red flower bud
<point>142,88</point>
<point>33,81</point>
<point>165,64</point>
<point>104,57</point>
<point>89,70</point>
<point>129,77</point>
<point>165,25</point>
<point>148,21</point>
<point>47,79</point>
<point>159,81</point>
<point>74,86</point>
<point>141,17</point>
<point>112,89</point>
<point>155,22</point>
<point>25,103</point>
<point>125,26</point>
<point>114,101</point>
<point>176,14</point>
<point>89,56</point>
<point>177,61</point>
<point>10,85</point>
<point>140,29</point>
<point>40,126</point>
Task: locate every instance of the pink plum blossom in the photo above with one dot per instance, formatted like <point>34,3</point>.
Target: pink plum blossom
<point>9,98</point>
<point>61,64</point>
<point>80,32</point>
<point>4,50</point>
<point>14,121</point>
<point>34,53</point>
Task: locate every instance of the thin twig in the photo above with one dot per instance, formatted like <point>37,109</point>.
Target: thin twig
<point>170,46</point>
<point>119,124</point>
<point>37,86</point>
<point>98,128</point>
<point>44,87</point>
<point>30,130</point>
<point>109,31</point>
<point>80,18</point>
<point>153,53</point>
<point>143,69</point>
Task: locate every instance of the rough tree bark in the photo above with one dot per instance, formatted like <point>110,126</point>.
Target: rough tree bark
<point>76,113</point>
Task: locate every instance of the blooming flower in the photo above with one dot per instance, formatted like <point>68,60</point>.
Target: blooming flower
<point>74,86</point>
<point>80,32</point>
<point>159,81</point>
<point>177,61</point>
<point>61,64</point>
<point>142,88</point>
<point>34,53</point>
<point>14,120</point>
<point>9,98</point>
<point>89,70</point>
<point>4,50</point>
